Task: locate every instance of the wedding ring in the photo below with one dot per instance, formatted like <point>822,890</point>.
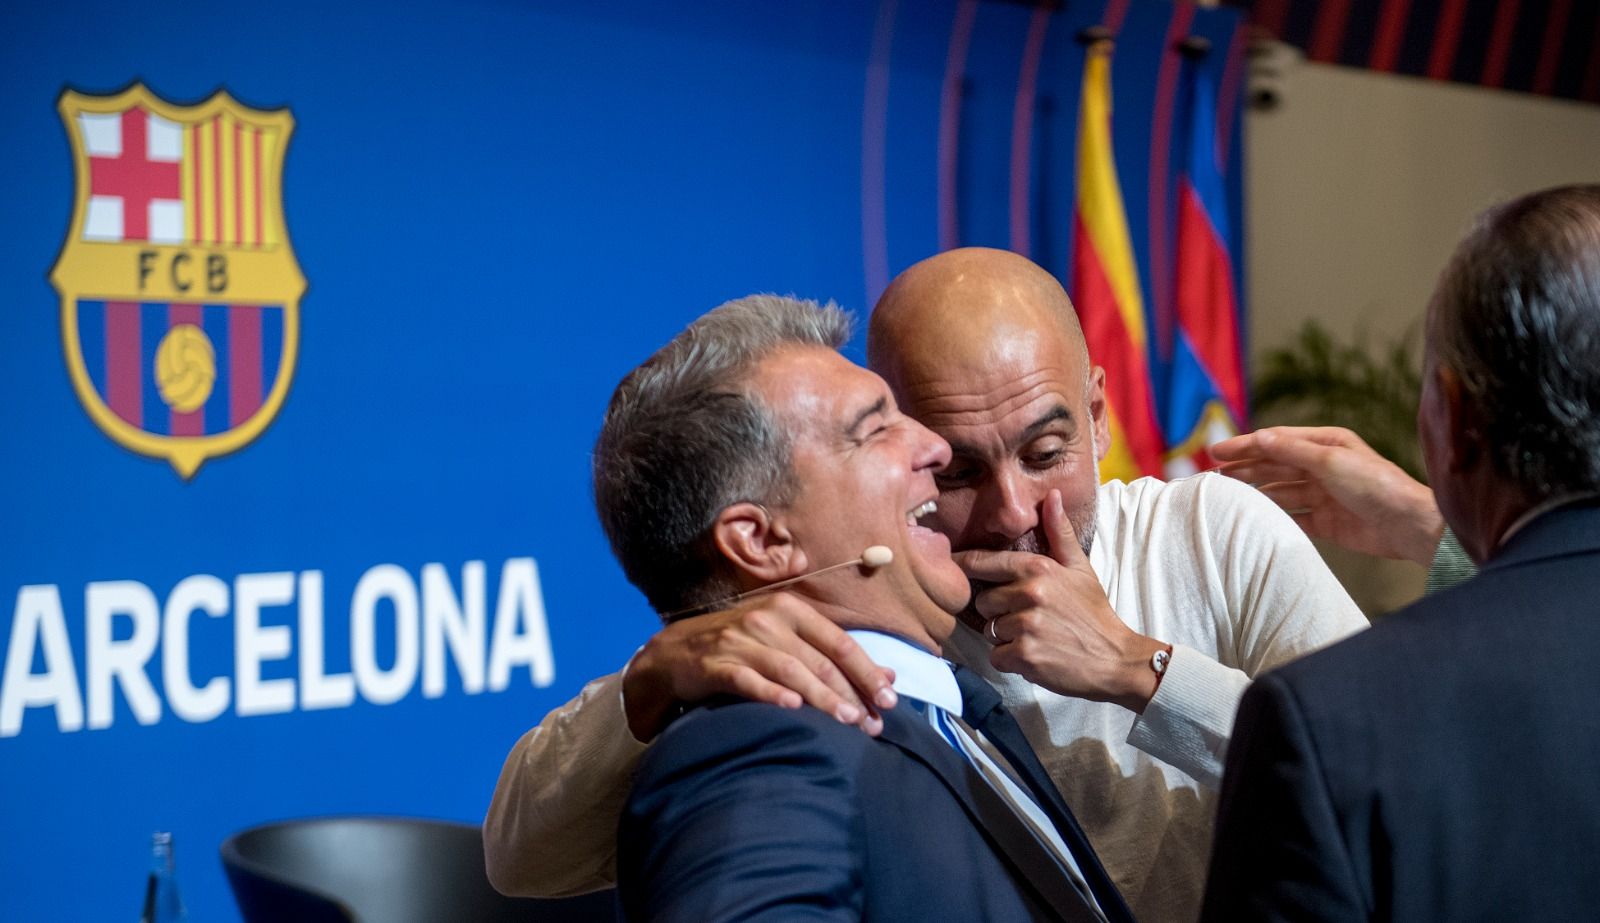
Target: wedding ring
<point>989,632</point>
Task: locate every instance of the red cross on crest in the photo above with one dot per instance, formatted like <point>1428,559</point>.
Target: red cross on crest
<point>135,176</point>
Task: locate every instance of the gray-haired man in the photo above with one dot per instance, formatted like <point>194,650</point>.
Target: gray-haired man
<point>1442,765</point>
<point>1121,621</point>
<point>747,453</point>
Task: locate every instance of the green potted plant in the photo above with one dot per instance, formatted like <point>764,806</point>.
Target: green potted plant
<point>1318,381</point>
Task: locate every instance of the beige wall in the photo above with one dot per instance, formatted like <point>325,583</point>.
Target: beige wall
<point>1359,185</point>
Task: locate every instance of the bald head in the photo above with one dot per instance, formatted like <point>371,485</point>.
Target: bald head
<point>954,310</point>
<point>983,347</point>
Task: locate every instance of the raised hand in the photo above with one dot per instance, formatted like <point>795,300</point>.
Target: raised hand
<point>1337,488</point>
<point>1050,621</point>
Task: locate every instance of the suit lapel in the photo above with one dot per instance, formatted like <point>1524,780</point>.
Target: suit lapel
<point>988,714</point>
<point>990,812</point>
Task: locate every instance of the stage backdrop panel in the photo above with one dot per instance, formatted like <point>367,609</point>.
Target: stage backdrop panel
<point>311,312</point>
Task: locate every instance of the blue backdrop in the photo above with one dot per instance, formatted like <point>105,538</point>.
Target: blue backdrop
<point>499,208</point>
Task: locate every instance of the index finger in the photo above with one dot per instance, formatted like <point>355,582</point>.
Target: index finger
<point>1281,443</point>
<point>1064,547</point>
<point>1235,448</point>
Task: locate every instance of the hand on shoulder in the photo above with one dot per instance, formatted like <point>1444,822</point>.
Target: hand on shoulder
<point>774,648</point>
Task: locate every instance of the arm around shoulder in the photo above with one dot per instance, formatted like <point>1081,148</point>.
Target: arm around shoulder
<point>551,827</point>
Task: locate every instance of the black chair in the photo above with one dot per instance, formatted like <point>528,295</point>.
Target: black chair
<point>381,870</point>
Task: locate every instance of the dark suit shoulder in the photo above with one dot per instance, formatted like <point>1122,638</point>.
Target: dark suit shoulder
<point>744,811</point>
<point>748,811</point>
<point>738,729</point>
<point>1391,691</point>
<point>1454,734</point>
<point>1506,622</point>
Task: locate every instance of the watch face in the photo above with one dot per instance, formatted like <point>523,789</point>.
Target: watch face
<point>1158,661</point>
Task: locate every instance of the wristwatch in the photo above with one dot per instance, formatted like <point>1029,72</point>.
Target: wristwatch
<point>1159,661</point>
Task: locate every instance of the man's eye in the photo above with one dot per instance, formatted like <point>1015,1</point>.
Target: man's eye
<point>954,476</point>
<point>871,434</point>
<point>1044,459</point>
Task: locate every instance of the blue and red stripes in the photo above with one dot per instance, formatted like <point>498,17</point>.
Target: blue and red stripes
<point>1549,47</point>
<point>950,122</point>
<point>119,339</point>
<point>1161,214</point>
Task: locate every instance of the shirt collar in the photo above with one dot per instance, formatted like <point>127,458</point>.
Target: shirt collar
<point>917,673</point>
<point>1554,503</point>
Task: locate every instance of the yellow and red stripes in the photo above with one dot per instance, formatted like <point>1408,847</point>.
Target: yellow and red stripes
<point>1105,284</point>
<point>224,162</point>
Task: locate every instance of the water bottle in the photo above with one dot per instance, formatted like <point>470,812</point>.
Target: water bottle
<point>161,901</point>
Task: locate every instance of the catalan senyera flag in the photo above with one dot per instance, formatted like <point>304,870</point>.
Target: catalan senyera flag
<point>1204,389</point>
<point>1105,284</point>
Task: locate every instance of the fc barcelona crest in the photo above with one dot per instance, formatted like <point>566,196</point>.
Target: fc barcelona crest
<point>180,295</point>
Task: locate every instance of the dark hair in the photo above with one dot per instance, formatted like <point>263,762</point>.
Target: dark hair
<point>1521,304</point>
<point>683,439</point>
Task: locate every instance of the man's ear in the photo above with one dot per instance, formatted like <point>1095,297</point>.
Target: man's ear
<point>1098,414</point>
<point>1463,422</point>
<point>756,544</point>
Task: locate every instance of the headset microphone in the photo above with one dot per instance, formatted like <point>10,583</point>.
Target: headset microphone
<point>873,557</point>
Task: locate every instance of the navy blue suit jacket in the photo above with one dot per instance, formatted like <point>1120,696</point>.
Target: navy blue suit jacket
<point>1443,766</point>
<point>748,811</point>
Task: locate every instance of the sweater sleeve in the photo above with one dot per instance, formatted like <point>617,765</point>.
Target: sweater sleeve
<point>552,826</point>
<point>1451,565</point>
<point>1273,599</point>
<point>1188,721</point>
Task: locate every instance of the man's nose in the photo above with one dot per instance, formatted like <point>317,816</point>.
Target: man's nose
<point>1010,509</point>
<point>931,449</point>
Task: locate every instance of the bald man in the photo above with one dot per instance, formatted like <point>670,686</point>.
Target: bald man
<point>1121,622</point>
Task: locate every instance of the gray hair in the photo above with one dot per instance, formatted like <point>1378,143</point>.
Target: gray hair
<point>684,439</point>
<point>1521,301</point>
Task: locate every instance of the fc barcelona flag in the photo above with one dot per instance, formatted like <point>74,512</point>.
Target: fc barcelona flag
<point>179,292</point>
<point>1203,395</point>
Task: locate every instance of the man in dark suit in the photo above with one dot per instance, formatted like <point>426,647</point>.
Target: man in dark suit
<point>1443,766</point>
<point>748,453</point>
